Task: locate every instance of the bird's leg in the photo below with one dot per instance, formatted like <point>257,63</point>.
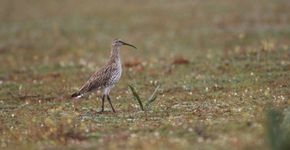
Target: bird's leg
<point>109,99</point>
<point>103,101</point>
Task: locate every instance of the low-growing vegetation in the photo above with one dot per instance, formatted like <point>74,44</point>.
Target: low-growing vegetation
<point>223,68</point>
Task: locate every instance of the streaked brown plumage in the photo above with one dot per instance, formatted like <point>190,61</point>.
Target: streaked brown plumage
<point>107,76</point>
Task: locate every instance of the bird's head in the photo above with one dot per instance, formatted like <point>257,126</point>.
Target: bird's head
<point>118,42</point>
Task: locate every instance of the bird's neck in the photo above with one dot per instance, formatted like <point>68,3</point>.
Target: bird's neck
<point>115,54</point>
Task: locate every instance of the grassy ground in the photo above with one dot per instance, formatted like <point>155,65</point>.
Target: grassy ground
<point>221,65</point>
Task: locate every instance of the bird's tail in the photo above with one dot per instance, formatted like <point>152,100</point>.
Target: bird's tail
<point>76,94</point>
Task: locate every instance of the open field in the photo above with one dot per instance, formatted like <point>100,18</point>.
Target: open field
<point>221,65</point>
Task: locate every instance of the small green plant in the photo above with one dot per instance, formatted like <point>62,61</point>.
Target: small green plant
<point>136,97</point>
<point>149,101</point>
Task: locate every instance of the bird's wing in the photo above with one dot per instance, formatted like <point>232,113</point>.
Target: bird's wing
<point>97,80</point>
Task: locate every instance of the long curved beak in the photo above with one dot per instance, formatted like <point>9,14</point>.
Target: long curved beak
<point>128,44</point>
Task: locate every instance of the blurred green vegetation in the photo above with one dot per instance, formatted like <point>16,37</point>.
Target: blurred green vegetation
<point>279,129</point>
<point>221,64</point>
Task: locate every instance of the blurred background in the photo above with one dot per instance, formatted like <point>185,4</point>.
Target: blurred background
<point>54,31</point>
<point>220,63</point>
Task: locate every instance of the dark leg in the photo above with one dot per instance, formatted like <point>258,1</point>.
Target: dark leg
<point>103,101</point>
<point>109,99</point>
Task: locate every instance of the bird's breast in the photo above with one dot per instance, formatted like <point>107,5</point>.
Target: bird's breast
<point>116,73</point>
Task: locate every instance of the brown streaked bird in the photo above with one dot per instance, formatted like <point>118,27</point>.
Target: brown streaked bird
<point>106,77</point>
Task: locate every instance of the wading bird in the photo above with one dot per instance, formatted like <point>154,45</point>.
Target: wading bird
<point>106,77</point>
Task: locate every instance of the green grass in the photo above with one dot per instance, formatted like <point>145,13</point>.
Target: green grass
<point>237,68</point>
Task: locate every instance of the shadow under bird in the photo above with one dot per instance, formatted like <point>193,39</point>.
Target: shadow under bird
<point>107,76</point>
